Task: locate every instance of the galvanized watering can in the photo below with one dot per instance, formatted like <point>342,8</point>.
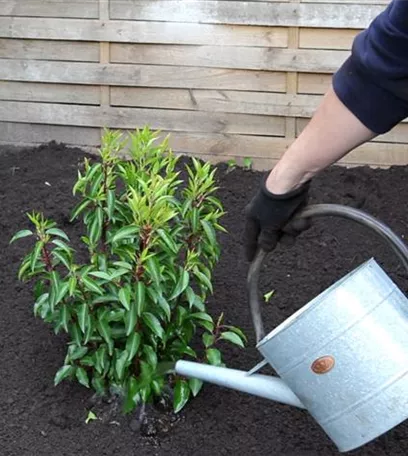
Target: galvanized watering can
<point>343,357</point>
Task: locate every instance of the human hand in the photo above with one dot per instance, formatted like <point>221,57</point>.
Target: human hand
<point>269,218</point>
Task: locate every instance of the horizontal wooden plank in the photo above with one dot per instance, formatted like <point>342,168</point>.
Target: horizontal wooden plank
<point>322,61</point>
<point>248,13</point>
<point>161,119</point>
<point>49,50</point>
<point>326,38</point>
<point>314,83</point>
<point>140,75</point>
<point>399,134</point>
<point>360,2</point>
<point>50,8</point>
<point>236,146</point>
<point>29,134</point>
<point>217,101</point>
<point>143,32</point>
<point>51,93</point>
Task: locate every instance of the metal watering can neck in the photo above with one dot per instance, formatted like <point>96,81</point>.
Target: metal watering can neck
<point>320,210</point>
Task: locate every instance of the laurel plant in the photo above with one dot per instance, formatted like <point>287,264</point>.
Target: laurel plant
<point>139,302</point>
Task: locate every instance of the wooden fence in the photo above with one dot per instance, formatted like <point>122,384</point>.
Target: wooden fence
<point>227,79</point>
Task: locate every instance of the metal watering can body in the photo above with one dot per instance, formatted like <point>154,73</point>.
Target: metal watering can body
<point>343,356</point>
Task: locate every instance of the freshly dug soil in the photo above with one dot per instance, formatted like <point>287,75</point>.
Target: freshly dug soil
<point>37,419</point>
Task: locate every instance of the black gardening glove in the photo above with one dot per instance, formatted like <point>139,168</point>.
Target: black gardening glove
<point>268,217</point>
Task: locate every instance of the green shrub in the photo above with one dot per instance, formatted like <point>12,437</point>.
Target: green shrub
<point>135,307</point>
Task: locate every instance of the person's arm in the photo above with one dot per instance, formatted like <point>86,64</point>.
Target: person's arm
<point>369,96</point>
<point>332,133</point>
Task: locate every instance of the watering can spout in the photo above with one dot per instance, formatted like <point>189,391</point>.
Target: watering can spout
<point>265,386</point>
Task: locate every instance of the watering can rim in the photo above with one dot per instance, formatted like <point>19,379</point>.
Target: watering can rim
<point>314,303</point>
<point>318,210</point>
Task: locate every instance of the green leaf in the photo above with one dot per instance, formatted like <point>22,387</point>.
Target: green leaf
<point>202,316</point>
<point>54,289</point>
<point>208,340</point>
<point>78,352</point>
<point>268,296</point>
<point>154,324</point>
<point>209,231</point>
<point>100,359</point>
<point>36,254</point>
<point>105,331</point>
<point>131,318</point>
<point>140,297</point>
<point>62,245</point>
<point>181,395</point>
<point>62,373</point>
<point>99,384</point>
<point>194,300</point>
<point>100,275</point>
<point>65,316</point>
<point>150,355</point>
<point>204,280</point>
<point>21,234</point>
<point>164,305</point>
<point>39,303</point>
<point>195,385</point>
<point>83,314</point>
<point>111,203</point>
<point>91,417</point>
<point>89,328</point>
<point>95,231</point>
<point>79,208</point>
<point>61,258</point>
<point>181,285</point>
<point>123,264</point>
<point>237,331</point>
<point>82,376</point>
<point>57,232</point>
<point>131,395</point>
<point>124,297</point>
<point>153,269</point>
<point>62,291</point>
<point>167,240</point>
<point>72,285</point>
<point>75,333</point>
<point>121,364</point>
<point>132,345</point>
<point>91,285</point>
<point>213,356</point>
<point>126,232</point>
<point>233,338</point>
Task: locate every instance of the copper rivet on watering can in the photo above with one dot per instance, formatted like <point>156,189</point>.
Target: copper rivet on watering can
<point>323,365</point>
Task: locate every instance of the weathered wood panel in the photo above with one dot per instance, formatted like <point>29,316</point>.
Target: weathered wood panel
<point>49,50</point>
<point>50,8</point>
<point>335,15</point>
<point>171,120</point>
<point>271,104</point>
<point>142,32</point>
<point>141,75</point>
<point>314,83</point>
<point>326,38</point>
<point>29,134</point>
<point>51,93</point>
<point>226,78</point>
<point>272,59</point>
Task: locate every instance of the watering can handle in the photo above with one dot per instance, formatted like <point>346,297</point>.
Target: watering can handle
<point>319,210</point>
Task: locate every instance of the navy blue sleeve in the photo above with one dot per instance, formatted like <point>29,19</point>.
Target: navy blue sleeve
<point>373,81</point>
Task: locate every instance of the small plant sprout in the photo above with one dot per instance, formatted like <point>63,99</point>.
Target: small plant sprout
<point>232,164</point>
<point>91,417</point>
<point>137,302</point>
<point>268,296</point>
<point>247,162</point>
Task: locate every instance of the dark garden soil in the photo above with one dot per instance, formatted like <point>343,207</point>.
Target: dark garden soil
<point>37,419</point>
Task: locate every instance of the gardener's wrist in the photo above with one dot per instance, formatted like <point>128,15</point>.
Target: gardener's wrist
<point>282,180</point>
